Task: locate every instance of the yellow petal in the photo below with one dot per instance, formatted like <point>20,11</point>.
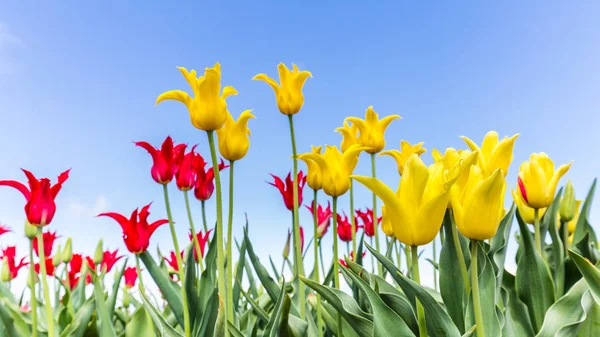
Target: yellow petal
<point>176,95</point>
<point>490,140</point>
<point>502,155</point>
<point>413,183</point>
<point>269,81</point>
<point>228,91</point>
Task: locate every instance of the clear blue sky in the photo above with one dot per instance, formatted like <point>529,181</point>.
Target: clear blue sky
<point>78,83</point>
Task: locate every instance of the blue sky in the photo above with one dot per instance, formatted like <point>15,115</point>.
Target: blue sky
<point>79,81</point>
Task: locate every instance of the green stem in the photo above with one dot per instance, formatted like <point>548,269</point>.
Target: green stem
<point>536,225</point>
<point>204,216</point>
<point>375,224</point>
<point>186,312</point>
<point>70,303</point>
<point>193,228</point>
<point>435,278</point>
<point>321,256</point>
<point>220,253</point>
<point>565,235</point>
<point>460,256</point>
<point>139,272</point>
<point>408,262</point>
<point>397,244</point>
<point>417,278</point>
<point>32,289</point>
<point>352,218</point>
<point>372,258</point>
<point>316,267</point>
<point>336,274</point>
<point>442,237</point>
<point>299,269</point>
<point>229,248</point>
<point>475,283</point>
<point>43,276</point>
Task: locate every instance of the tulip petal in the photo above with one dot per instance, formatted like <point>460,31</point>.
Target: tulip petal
<point>121,219</point>
<point>61,179</point>
<point>175,95</point>
<point>413,182</point>
<point>556,177</point>
<point>269,81</point>
<point>490,140</point>
<point>18,186</point>
<point>481,208</point>
<point>385,122</point>
<point>429,219</point>
<point>388,196</point>
<point>228,91</point>
<point>502,155</point>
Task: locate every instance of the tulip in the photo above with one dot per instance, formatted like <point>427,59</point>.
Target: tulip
<point>48,238</point>
<point>67,253</point>
<point>386,224</point>
<point>314,175</point>
<point>286,247</point>
<point>56,260</point>
<point>526,212</point>
<point>367,220</point>
<point>572,224</point>
<point>406,150</point>
<point>185,175</point>
<point>288,92</point>
<point>109,259</point>
<point>286,189</point>
<point>372,129</point>
<point>30,230</point>
<point>538,179</point>
<point>164,160</point>
<point>8,254</point>
<point>208,108</point>
<point>568,204</point>
<point>172,261</point>
<point>5,275</point>
<point>336,167</point>
<point>99,253</point>
<point>494,153</point>
<point>323,218</point>
<point>4,229</point>
<point>349,134</point>
<point>344,228</point>
<point>76,264</point>
<point>458,162</point>
<point>40,195</point>
<point>205,187</point>
<point>130,274</point>
<point>233,137</point>
<point>49,267</point>
<point>343,262</point>
<point>202,240</point>
<point>416,210</point>
<point>136,230</point>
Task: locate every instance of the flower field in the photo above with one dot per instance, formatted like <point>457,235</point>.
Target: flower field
<point>458,203</point>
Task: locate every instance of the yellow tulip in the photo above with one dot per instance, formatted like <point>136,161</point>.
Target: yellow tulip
<point>479,206</point>
<point>233,137</point>
<point>527,213</point>
<point>493,154</point>
<point>538,179</point>
<point>336,167</point>
<point>417,209</point>
<point>314,176</point>
<point>406,150</point>
<point>288,92</point>
<point>349,134</point>
<point>372,129</point>
<point>457,163</point>
<point>208,109</point>
<point>386,224</point>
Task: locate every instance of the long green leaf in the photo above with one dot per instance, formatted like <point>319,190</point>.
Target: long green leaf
<point>112,299</point>
<point>82,317</point>
<point>16,326</point>
<point>590,273</point>
<point>583,223</point>
<point>162,327</point>
<point>140,324</point>
<point>516,316</point>
<point>499,246</point>
<point>273,327</point>
<point>106,328</point>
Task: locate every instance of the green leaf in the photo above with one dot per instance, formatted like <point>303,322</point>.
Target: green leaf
<point>257,309</point>
<point>533,281</point>
<point>112,299</point>
<point>499,246</point>
<point>140,324</point>
<point>203,326</point>
<point>275,328</point>
<point>401,305</point>
<point>556,259</point>
<point>516,316</point>
<point>82,317</point>
<point>438,321</point>
<point>330,319</point>
<point>583,223</point>
<point>239,274</point>
<point>162,327</point>
<point>12,320</point>
<point>191,285</point>
<point>274,268</point>
<point>590,273</point>
<point>105,325</point>
<point>591,325</point>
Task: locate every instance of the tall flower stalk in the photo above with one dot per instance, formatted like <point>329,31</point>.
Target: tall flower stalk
<point>417,279</point>
<point>43,277</point>
<point>229,246</point>
<point>316,257</point>
<point>475,284</point>
<point>34,314</point>
<point>336,274</point>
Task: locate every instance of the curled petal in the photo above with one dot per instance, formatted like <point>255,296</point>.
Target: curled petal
<point>175,95</point>
<point>18,186</point>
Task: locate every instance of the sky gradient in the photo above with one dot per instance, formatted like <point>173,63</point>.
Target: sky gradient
<point>78,82</point>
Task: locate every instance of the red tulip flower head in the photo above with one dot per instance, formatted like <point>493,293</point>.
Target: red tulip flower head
<point>48,238</point>
<point>164,160</point>
<point>136,230</point>
<point>9,253</point>
<point>323,218</point>
<point>172,261</point>
<point>344,228</point>
<point>109,259</point>
<point>367,220</point>
<point>4,229</point>
<point>343,262</point>
<point>130,274</point>
<point>205,186</point>
<point>40,195</point>
<point>287,188</point>
<point>75,267</point>
<point>185,177</point>
<point>202,240</point>
<point>49,267</point>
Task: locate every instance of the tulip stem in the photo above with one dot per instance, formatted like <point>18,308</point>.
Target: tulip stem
<point>375,227</point>
<point>461,257</point>
<point>352,218</point>
<point>220,254</point>
<point>417,279</point>
<point>139,271</point>
<point>408,262</point>
<point>299,269</point>
<point>193,228</point>
<point>316,267</point>
<point>336,275</point>
<point>181,274</point>
<point>372,257</point>
<point>321,256</point>
<point>204,216</point>
<point>32,289</point>
<point>435,282</point>
<point>565,235</point>
<point>536,225</point>
<point>43,276</point>
<point>475,283</point>
<point>229,248</point>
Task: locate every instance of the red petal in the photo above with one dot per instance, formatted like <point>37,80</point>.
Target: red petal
<point>523,190</point>
<point>153,226</point>
<point>167,148</point>
<point>61,179</point>
<point>151,149</point>
<point>17,185</point>
<point>34,183</point>
<point>121,219</point>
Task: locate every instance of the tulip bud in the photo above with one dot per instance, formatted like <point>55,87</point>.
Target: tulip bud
<point>30,230</point>
<point>126,300</point>
<point>5,273</point>
<point>312,299</point>
<point>57,259</point>
<point>568,204</point>
<point>99,254</point>
<point>67,253</point>
<point>286,248</point>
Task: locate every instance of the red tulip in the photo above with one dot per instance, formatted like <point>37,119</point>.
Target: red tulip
<point>205,186</point>
<point>202,240</point>
<point>40,195</point>
<point>164,160</point>
<point>136,230</point>
<point>49,267</point>
<point>185,177</point>
<point>25,308</point>
<point>173,261</point>
<point>343,262</point>
<point>48,238</point>
<point>344,228</point>
<point>4,229</point>
<point>109,259</point>
<point>323,218</point>
<point>75,267</point>
<point>131,275</point>
<point>287,189</point>
<point>10,253</point>
<point>367,220</point>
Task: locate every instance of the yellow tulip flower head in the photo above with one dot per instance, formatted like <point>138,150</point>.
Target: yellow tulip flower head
<point>538,179</point>
<point>478,207</point>
<point>527,213</point>
<point>314,176</point>
<point>288,92</point>
<point>349,134</point>
<point>386,224</point>
<point>208,109</point>
<point>336,167</point>
<point>417,209</point>
<point>493,153</point>
<point>406,150</point>
<point>372,129</point>
<point>233,137</point>
<point>456,162</point>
